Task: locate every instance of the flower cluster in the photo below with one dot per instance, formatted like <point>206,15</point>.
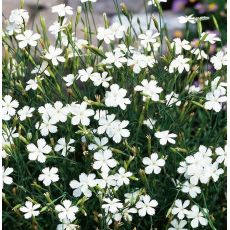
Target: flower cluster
<point>201,168</point>
<point>111,131</point>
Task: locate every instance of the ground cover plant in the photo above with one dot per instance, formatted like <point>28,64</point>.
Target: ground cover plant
<point>122,129</point>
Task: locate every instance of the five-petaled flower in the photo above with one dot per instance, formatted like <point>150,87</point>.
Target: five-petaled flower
<point>66,210</point>
<point>153,164</point>
<point>54,54</point>
<point>165,137</point>
<point>103,160</point>
<point>30,210</point>
<point>27,38</point>
<point>38,152</point>
<point>49,175</point>
<point>146,206</point>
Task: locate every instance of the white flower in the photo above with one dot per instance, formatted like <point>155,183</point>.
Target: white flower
<point>9,107</point>
<point>150,60</point>
<point>193,88</point>
<point>53,54</point>
<point>67,211</point>
<point>214,171</point>
<point>118,30</point>
<point>197,217</point>
<point>198,168</point>
<point>219,60</point>
<point>206,152</point>
<point>112,205</point>
<point>105,124</point>
<point>30,210</point>
<point>180,45</point>
<point>41,69</point>
<point>103,160</point>
<point>222,155</point>
<point>64,146</point>
<point>180,64</point>
<point>116,97</point>
<point>125,214</point>
<point>165,137</point>
<point>57,27</point>
<point>178,225</point>
<point>32,84</point>
<point>19,17</point>
<point>107,180</point>
<point>59,112</point>
<point>199,53</point>
<point>49,175</point>
<point>69,79</point>
<point>117,130</point>
<point>81,114</point>
<point>149,123</point>
<point>146,205</point>
<point>37,152</point>
<point>172,99</point>
<point>47,126</point>
<point>185,19</point>
<point>67,225</point>
<point>123,48</point>
<point>101,79</point>
<point>13,28</point>
<point>138,62</point>
<point>191,189</point>
<point>122,177</point>
<point>25,112</point>
<point>211,38</point>
<point>114,129</point>
<point>105,34</point>
<point>28,38</point>
<point>214,100</point>
<point>153,164</point>
<point>6,179</point>
<point>99,143</point>
<point>149,89</point>
<point>131,198</point>
<point>62,10</point>
<point>179,208</point>
<point>148,39</point>
<point>221,86</point>
<point>182,168</point>
<point>83,185</point>
<point>116,58</point>
<point>84,75</point>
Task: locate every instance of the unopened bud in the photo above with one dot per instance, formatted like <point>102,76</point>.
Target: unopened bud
<point>124,9</point>
<point>155,23</point>
<point>70,91</point>
<point>79,10</point>
<point>106,21</point>
<point>29,136</point>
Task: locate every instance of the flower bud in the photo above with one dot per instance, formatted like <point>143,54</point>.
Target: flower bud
<point>155,23</point>
<point>79,10</point>
<point>124,9</point>
<point>47,196</point>
<point>29,136</point>
<point>106,21</point>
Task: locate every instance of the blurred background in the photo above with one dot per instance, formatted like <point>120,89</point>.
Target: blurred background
<point>172,9</point>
